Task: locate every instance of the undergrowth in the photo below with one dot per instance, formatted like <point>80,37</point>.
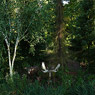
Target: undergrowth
<point>69,86</point>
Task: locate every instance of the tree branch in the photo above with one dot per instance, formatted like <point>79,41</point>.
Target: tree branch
<point>14,55</point>
<point>24,35</point>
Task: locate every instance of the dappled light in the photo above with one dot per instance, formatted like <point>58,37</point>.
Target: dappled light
<point>47,47</point>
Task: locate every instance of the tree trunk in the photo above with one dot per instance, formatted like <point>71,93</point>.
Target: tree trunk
<point>11,62</point>
<point>10,67</point>
<point>14,56</point>
<point>9,57</point>
<point>59,30</point>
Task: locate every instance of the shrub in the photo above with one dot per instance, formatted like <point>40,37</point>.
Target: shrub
<point>22,86</point>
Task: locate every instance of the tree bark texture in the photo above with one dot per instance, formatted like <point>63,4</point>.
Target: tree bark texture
<point>59,18</point>
<point>11,62</point>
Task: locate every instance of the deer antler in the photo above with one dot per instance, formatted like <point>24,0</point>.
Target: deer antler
<point>44,67</point>
<point>49,71</point>
<point>57,67</point>
<point>45,70</point>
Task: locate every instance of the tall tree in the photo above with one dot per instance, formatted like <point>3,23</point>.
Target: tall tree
<point>59,22</point>
<point>25,19</point>
<point>10,28</point>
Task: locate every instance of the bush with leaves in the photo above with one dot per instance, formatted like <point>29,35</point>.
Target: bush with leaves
<point>80,28</point>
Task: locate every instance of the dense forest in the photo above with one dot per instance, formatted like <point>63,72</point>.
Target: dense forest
<point>47,47</point>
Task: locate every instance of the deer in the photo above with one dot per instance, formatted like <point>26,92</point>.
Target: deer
<point>48,70</point>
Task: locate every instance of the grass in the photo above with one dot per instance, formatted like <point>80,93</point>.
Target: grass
<point>81,85</point>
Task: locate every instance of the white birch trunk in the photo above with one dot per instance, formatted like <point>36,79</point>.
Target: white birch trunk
<point>10,66</point>
<point>11,62</point>
<point>14,55</point>
<point>9,57</point>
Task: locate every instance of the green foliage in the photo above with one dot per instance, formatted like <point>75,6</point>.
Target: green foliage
<point>35,21</point>
<point>37,18</point>
<point>82,88</point>
<point>80,16</point>
<point>22,86</point>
